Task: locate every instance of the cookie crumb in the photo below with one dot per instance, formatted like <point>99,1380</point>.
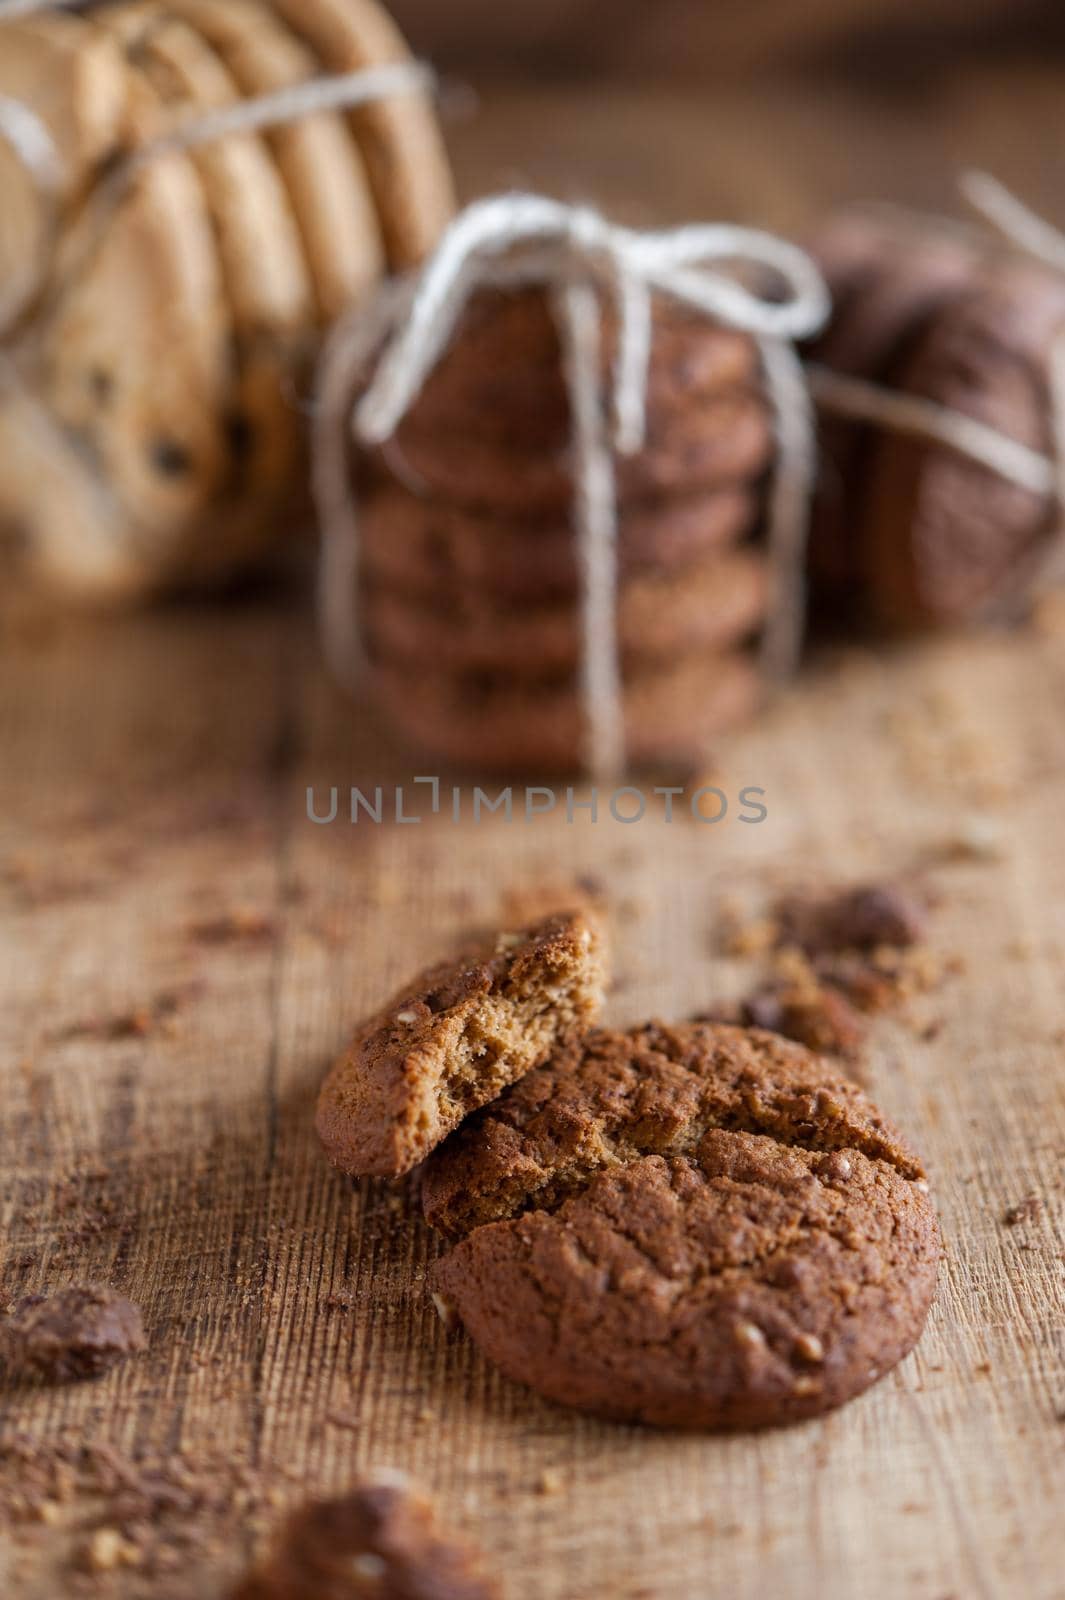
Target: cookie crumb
<point>80,1332</point>
<point>1026,1210</point>
<point>549,1482</point>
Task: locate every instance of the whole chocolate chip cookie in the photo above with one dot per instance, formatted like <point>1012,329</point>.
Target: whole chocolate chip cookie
<point>698,1226</point>
<point>454,1038</point>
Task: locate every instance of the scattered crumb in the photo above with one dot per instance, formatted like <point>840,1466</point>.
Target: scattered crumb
<point>549,1482</point>
<point>1026,1210</point>
<point>157,1015</point>
<point>383,1537</point>
<point>242,925</point>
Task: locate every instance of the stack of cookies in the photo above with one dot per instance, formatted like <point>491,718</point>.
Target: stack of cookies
<point>471,587</point>
<point>150,432</point>
<point>908,532</point>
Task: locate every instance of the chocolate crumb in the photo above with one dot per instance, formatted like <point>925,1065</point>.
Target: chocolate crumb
<point>80,1332</point>
<point>384,1538</point>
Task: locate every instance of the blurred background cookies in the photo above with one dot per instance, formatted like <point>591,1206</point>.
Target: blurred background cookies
<point>470,595</point>
<point>151,431</point>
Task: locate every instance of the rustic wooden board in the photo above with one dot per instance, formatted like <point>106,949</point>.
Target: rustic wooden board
<point>157,865</point>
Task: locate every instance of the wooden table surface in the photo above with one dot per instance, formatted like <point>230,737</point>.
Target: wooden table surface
<point>183,950</point>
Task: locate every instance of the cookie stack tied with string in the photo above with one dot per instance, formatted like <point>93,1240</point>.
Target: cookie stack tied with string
<point>563,551</point>
<point>192,192</point>
<point>940,383</point>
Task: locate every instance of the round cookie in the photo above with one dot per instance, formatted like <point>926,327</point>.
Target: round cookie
<point>454,1037</point>
<point>266,278</point>
<point>945,539</point>
<point>725,440</point>
<point>694,1227</point>
<point>432,551</point>
<point>504,724</point>
<point>502,373</point>
<point>707,607</point>
<point>133,353</point>
<point>72,79</point>
<point>889,277</point>
<point>317,157</point>
<point>399,136</point>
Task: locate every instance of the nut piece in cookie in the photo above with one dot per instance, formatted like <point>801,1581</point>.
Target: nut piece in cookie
<point>697,1226</point>
<point>454,1038</point>
<point>77,1333</point>
<point>381,1539</point>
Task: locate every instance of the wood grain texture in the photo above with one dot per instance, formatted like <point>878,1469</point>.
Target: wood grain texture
<point>156,861</point>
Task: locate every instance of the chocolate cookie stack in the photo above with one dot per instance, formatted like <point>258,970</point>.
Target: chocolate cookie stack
<point>148,431</point>
<point>471,597</point>
<point>908,532</point>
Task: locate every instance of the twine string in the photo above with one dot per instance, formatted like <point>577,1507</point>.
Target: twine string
<point>29,138</point>
<point>581,258</point>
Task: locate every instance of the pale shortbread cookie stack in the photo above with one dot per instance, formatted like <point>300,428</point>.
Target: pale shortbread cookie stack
<point>151,435</point>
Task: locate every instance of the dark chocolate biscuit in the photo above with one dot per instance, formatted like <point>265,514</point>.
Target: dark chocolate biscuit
<point>719,442</point>
<point>499,723</point>
<point>382,1540</point>
<point>698,1226</point>
<point>945,539</point>
<point>712,606</point>
<point>502,374</point>
<point>436,552</point>
<point>888,276</point>
<point>454,1038</point>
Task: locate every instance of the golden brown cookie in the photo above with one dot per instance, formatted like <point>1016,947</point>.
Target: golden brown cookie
<point>399,136</point>
<point>72,79</point>
<point>495,722</point>
<point>697,1226</point>
<point>383,1540</point>
<point>711,606</point>
<point>133,357</point>
<point>430,551</point>
<point>266,278</point>
<point>454,1037</point>
<point>317,156</point>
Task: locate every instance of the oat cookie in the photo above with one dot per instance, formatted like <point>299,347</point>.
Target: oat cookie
<point>452,1039</point>
<point>496,722</point>
<point>697,1226</point>
<point>399,137</point>
<point>383,1540</point>
<point>712,606</point>
<point>317,157</point>
<point>434,552</point>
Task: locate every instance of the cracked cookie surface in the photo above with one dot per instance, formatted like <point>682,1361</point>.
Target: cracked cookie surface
<point>700,1226</point>
<point>454,1038</point>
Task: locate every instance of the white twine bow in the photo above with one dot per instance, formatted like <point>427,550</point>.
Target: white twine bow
<point>858,400</point>
<point>578,256</point>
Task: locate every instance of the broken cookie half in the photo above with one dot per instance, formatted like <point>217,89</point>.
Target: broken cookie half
<point>455,1037</point>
